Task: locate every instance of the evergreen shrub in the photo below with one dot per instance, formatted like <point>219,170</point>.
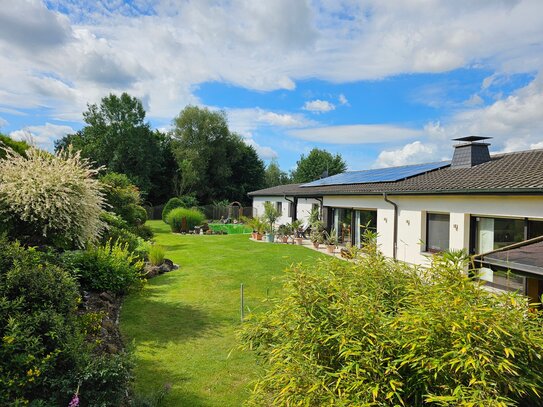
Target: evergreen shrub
<point>171,204</point>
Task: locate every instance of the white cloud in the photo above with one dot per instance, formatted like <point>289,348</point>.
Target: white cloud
<point>343,100</point>
<point>355,134</point>
<point>43,136</point>
<point>264,152</point>
<point>3,122</point>
<point>474,100</point>
<point>318,106</point>
<point>413,153</point>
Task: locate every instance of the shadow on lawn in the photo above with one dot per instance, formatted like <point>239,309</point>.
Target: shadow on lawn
<point>173,322</point>
<point>154,377</point>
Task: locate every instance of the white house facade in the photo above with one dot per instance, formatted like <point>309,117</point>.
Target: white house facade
<point>475,202</point>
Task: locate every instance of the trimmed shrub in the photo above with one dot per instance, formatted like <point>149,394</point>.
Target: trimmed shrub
<point>47,198</point>
<point>111,267</point>
<point>156,255</point>
<point>171,204</point>
<point>378,332</point>
<point>193,218</point>
<point>124,198</point>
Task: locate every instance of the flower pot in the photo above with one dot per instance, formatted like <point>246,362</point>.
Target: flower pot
<point>284,239</point>
<point>269,238</point>
<point>259,236</point>
<point>316,245</point>
<point>331,248</point>
<point>298,240</point>
<point>253,235</point>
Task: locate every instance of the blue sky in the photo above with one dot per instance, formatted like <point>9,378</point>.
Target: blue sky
<point>382,83</point>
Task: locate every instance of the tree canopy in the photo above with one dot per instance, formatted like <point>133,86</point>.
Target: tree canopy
<point>274,176</point>
<point>214,163</point>
<point>315,164</point>
<point>18,146</point>
<point>117,137</point>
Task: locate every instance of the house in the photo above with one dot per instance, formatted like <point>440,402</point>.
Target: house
<point>475,202</point>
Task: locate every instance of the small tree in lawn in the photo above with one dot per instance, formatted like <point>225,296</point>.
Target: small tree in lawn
<point>271,214</point>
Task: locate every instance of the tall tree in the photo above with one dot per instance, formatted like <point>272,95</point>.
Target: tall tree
<point>274,176</point>
<point>214,163</point>
<point>117,137</point>
<point>317,163</point>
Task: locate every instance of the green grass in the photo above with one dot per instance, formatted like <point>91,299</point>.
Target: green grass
<point>183,324</point>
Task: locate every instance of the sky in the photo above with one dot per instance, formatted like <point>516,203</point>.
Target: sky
<point>382,83</point>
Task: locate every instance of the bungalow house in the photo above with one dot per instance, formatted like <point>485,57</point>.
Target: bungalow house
<point>476,202</point>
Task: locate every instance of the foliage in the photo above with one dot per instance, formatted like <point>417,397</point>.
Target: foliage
<point>116,136</point>
<point>17,146</point>
<point>284,230</point>
<point>171,204</point>
<point>316,236</point>
<point>256,223</point>
<point>274,176</point>
<point>49,198</point>
<point>111,267</point>
<point>330,238</point>
<point>124,198</point>
<point>379,332</point>
<point>156,255</point>
<point>193,217</point>
<point>188,201</point>
<point>117,230</point>
<point>214,162</point>
<point>271,214</point>
<point>43,354</point>
<point>315,164</point>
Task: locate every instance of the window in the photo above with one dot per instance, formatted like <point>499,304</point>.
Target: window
<point>364,220</point>
<point>494,233</point>
<point>437,232</point>
<point>279,207</point>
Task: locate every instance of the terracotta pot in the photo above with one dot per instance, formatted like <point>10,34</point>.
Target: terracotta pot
<point>330,248</point>
<point>258,236</point>
<point>298,240</point>
<point>285,239</point>
<point>316,245</point>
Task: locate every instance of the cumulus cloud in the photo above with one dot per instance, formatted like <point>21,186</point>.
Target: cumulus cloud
<point>318,106</point>
<point>413,153</point>
<point>355,134</point>
<point>343,100</point>
<point>264,152</point>
<point>42,136</point>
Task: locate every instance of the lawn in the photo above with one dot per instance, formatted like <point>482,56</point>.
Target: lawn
<point>183,324</point>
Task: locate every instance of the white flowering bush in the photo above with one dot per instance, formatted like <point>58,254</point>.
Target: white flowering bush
<point>46,198</point>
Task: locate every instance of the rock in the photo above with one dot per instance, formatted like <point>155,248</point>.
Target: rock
<point>151,271</point>
<point>107,297</point>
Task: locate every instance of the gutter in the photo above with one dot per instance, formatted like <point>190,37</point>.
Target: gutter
<point>395,238</point>
<point>293,206</point>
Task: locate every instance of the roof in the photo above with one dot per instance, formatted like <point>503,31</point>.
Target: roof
<point>519,172</point>
<point>526,256</point>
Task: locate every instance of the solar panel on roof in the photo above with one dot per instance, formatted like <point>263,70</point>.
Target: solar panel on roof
<point>378,175</point>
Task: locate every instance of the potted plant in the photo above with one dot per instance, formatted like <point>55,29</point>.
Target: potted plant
<point>295,231</point>
<point>283,233</point>
<point>271,214</point>
<point>331,241</point>
<point>316,237</point>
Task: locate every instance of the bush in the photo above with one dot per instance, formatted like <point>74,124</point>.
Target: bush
<point>171,204</point>
<point>111,267</point>
<point>378,332</point>
<point>40,334</point>
<point>47,198</point>
<point>175,218</point>
<point>124,198</point>
<point>156,255</point>
<point>117,230</point>
<point>18,147</point>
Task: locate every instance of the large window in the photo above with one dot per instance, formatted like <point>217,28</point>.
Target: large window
<point>342,224</point>
<point>364,220</point>
<point>494,233</point>
<point>437,232</point>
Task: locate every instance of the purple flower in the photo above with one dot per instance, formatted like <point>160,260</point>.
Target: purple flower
<point>75,401</point>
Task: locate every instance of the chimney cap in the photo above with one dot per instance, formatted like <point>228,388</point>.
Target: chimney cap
<point>471,139</point>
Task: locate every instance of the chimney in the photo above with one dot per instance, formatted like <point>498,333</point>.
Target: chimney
<point>470,152</point>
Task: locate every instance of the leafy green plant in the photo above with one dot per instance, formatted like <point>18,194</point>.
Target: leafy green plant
<point>193,217</point>
<point>111,267</point>
<point>330,238</point>
<point>271,214</point>
<point>170,205</point>
<point>49,198</point>
<point>156,255</point>
<point>379,332</point>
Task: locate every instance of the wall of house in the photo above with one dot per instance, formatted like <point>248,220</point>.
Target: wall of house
<point>304,207</point>
<point>412,212</point>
